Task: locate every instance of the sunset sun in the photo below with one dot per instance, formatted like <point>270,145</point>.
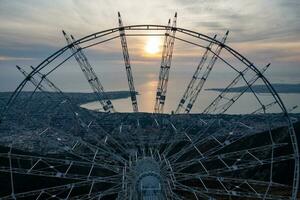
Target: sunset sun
<point>153,45</point>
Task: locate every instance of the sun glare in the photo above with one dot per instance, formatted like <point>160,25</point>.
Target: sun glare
<point>152,45</point>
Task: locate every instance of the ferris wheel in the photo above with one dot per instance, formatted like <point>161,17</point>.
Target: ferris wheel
<point>55,149</point>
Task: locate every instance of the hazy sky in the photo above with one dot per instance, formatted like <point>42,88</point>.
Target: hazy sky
<point>263,30</point>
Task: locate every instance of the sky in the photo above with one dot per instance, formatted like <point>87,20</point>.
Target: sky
<point>262,30</point>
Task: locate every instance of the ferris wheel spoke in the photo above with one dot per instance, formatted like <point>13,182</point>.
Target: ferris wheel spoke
<point>225,142</point>
<point>80,148</point>
<point>221,189</point>
<point>169,134</point>
<point>195,87</point>
<point>77,145</point>
<point>214,104</point>
<point>248,86</point>
<point>233,166</point>
<point>225,134</point>
<point>189,90</point>
<point>173,195</point>
<point>96,192</point>
<point>230,181</point>
<point>54,167</point>
<point>57,195</point>
<point>264,108</point>
<point>33,80</point>
<point>57,92</point>
<point>246,154</point>
<point>193,191</point>
<point>218,140</point>
<point>166,60</point>
<point>75,114</point>
<point>97,157</point>
<point>63,191</point>
<point>110,143</point>
<point>70,104</point>
<point>89,73</point>
<point>127,65</point>
<point>218,185</point>
<point>88,152</point>
<point>223,95</point>
<point>99,194</point>
<point>37,87</point>
<point>94,154</point>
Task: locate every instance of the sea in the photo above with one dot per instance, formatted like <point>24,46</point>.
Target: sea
<point>146,84</point>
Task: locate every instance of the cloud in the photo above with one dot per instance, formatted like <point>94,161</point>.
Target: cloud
<point>262,30</point>
<point>247,20</point>
<point>9,58</point>
<point>40,22</point>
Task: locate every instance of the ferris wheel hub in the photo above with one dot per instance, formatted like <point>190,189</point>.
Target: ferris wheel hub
<point>148,179</point>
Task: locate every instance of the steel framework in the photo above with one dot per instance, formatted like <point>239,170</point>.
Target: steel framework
<point>127,65</point>
<point>192,91</point>
<point>89,74</point>
<point>98,155</point>
<point>166,60</point>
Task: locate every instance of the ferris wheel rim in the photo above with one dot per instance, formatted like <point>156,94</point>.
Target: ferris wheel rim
<point>163,27</point>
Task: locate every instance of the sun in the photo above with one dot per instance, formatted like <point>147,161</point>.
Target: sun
<point>153,45</point>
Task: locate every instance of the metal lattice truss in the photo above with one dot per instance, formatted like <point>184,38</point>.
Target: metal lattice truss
<point>196,84</point>
<point>55,149</point>
<point>165,66</point>
<point>89,74</point>
<point>127,65</point>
